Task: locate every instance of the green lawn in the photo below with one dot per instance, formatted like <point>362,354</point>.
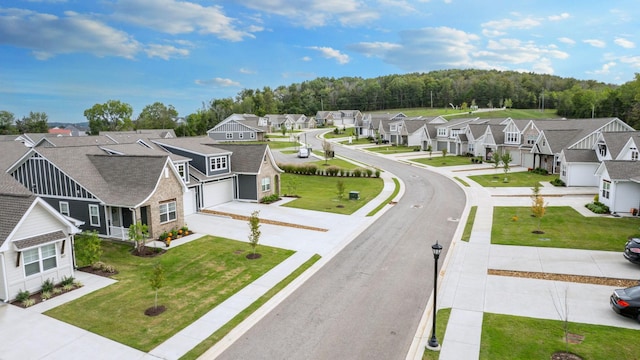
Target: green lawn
<point>563,228</point>
<point>224,330</point>
<point>337,162</point>
<point>506,337</point>
<point>395,192</point>
<point>439,160</point>
<point>282,144</point>
<point>514,179</point>
<point>342,133</point>
<point>320,192</point>
<point>389,149</point>
<point>512,113</point>
<point>466,235</point>
<point>442,319</point>
<point>360,141</point>
<point>198,276</point>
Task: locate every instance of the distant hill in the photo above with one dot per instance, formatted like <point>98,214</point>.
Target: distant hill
<point>80,126</point>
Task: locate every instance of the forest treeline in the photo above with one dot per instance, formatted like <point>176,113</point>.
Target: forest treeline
<point>570,97</point>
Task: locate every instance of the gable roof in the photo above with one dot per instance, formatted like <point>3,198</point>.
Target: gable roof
<point>201,145</point>
<point>617,140</point>
<point>69,141</point>
<point>580,155</point>
<point>246,158</point>
<point>12,211</point>
<point>621,170</point>
<point>11,152</point>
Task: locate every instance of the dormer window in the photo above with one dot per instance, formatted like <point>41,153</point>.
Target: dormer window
<point>442,131</point>
<point>218,163</point>
<point>513,137</point>
<point>602,149</point>
<point>393,128</point>
<point>182,171</point>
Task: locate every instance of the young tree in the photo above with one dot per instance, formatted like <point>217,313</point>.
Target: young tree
<point>110,116</point>
<point>254,235</point>
<point>538,206</point>
<point>139,233</point>
<point>283,129</point>
<point>340,189</point>
<point>444,152</point>
<point>157,281</point>
<point>430,150</point>
<point>328,150</point>
<point>505,157</point>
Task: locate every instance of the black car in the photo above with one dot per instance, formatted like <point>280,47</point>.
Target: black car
<point>626,302</point>
<point>632,250</point>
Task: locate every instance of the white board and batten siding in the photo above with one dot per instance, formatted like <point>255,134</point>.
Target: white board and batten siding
<point>190,202</point>
<point>582,175</point>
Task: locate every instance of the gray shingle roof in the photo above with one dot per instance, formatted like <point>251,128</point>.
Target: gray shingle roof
<point>617,140</point>
<point>560,139</point>
<point>67,141</point>
<point>245,158</point>
<point>622,169</point>
<point>580,155</point>
<point>10,186</point>
<point>11,152</point>
<point>12,209</point>
<point>197,145</point>
<point>40,239</point>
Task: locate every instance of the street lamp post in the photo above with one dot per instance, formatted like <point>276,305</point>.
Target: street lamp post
<point>436,248</point>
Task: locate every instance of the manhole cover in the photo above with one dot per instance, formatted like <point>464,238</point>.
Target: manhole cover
<point>452,219</point>
<point>416,206</point>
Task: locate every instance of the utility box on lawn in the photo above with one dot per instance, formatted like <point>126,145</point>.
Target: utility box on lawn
<point>354,195</point>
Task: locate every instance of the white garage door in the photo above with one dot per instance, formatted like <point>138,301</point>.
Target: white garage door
<point>217,192</point>
<point>190,202</point>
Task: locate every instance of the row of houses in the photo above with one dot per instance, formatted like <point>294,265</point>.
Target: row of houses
<point>53,187</point>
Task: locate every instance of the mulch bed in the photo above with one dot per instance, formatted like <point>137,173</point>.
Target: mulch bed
<point>149,251</point>
<point>37,297</point>
<point>155,310</point>
<point>595,280</point>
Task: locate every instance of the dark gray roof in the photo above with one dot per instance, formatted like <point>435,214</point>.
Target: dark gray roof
<point>580,155</point>
<point>40,239</point>
<point>198,145</point>
<point>11,152</point>
<point>10,186</point>
<point>412,125</point>
<point>245,158</point>
<point>560,139</point>
<point>622,169</point>
<point>498,133</point>
<point>477,130</point>
<point>139,149</point>
<point>12,209</point>
<point>123,180</point>
<point>617,140</point>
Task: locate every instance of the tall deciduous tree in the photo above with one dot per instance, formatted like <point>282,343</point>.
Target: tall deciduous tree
<point>157,116</point>
<point>7,120</point>
<point>36,122</point>
<point>113,115</point>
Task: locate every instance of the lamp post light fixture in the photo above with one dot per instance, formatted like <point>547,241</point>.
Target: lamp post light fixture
<point>437,249</point>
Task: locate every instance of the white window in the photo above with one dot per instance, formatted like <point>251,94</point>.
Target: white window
<point>634,154</point>
<point>182,171</point>
<point>94,215</point>
<point>513,137</point>
<point>39,259</point>
<point>64,208</point>
<point>229,136</point>
<point>606,187</point>
<point>563,170</point>
<point>602,149</point>
<point>266,184</point>
<point>218,163</point>
<point>241,135</point>
<point>531,139</point>
<point>442,131</point>
<point>393,128</point>
<point>252,135</point>
<point>168,212</point>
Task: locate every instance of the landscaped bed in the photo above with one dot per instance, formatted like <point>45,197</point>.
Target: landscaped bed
<point>198,276</point>
<point>563,227</point>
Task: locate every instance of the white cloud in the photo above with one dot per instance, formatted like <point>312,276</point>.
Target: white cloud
<point>606,69</point>
<point>247,71</point>
<point>330,53</point>
<point>316,13</point>
<point>504,24</point>
<point>633,61</point>
<point>218,82</point>
<point>180,17</point>
<point>306,58</point>
<point>49,35</point>
<point>398,5</point>
<point>377,49</point>
<point>567,40</point>
<point>627,44</point>
<point>492,33</point>
<point>595,43</point>
<point>543,66</point>
<point>165,51</point>
<point>562,16</point>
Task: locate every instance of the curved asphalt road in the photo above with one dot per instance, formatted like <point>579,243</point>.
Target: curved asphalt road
<point>365,303</point>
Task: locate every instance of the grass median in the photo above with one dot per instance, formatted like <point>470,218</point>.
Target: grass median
<point>514,179</point>
<point>198,276</point>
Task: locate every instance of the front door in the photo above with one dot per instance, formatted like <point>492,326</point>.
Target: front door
<point>116,216</point>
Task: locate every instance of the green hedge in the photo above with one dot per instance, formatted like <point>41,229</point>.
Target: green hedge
<point>313,169</point>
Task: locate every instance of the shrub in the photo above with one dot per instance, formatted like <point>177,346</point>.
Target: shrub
<point>540,171</point>
<point>47,286</point>
<point>87,248</point>
<point>46,295</point>
<point>67,280</point>
<point>95,266</point>
<point>332,170</point>
<point>23,295</point>
<point>28,302</point>
<point>369,172</point>
<point>357,172</point>
<point>57,291</point>
<point>598,208</point>
<point>270,199</point>
<point>557,182</point>
<point>377,173</point>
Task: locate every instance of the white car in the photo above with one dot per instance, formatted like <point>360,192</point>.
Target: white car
<point>303,153</point>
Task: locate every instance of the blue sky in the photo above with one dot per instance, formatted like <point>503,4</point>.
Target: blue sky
<point>63,56</point>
